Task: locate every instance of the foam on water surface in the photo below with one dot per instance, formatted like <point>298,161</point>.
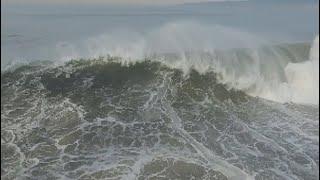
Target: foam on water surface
<point>144,121</point>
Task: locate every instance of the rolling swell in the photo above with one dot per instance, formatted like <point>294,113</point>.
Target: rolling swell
<point>100,119</point>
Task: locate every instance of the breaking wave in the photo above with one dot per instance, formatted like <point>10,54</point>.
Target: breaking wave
<point>100,119</point>
<point>183,97</point>
<point>243,61</point>
<point>303,78</point>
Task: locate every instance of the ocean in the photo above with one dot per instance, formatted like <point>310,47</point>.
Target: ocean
<point>213,90</point>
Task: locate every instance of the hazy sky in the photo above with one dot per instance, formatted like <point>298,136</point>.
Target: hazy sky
<point>106,1</point>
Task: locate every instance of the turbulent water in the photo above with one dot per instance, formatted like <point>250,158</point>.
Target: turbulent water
<point>212,90</point>
<point>162,118</point>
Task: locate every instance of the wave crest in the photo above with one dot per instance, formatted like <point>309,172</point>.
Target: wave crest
<point>241,60</point>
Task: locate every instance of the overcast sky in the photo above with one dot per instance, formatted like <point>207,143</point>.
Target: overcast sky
<point>106,1</point>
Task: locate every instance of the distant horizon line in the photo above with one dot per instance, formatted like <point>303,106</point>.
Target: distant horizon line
<point>59,2</point>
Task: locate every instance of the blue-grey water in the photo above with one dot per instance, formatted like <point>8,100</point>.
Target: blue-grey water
<point>35,32</point>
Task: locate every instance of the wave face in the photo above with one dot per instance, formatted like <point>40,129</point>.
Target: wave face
<point>118,118</point>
